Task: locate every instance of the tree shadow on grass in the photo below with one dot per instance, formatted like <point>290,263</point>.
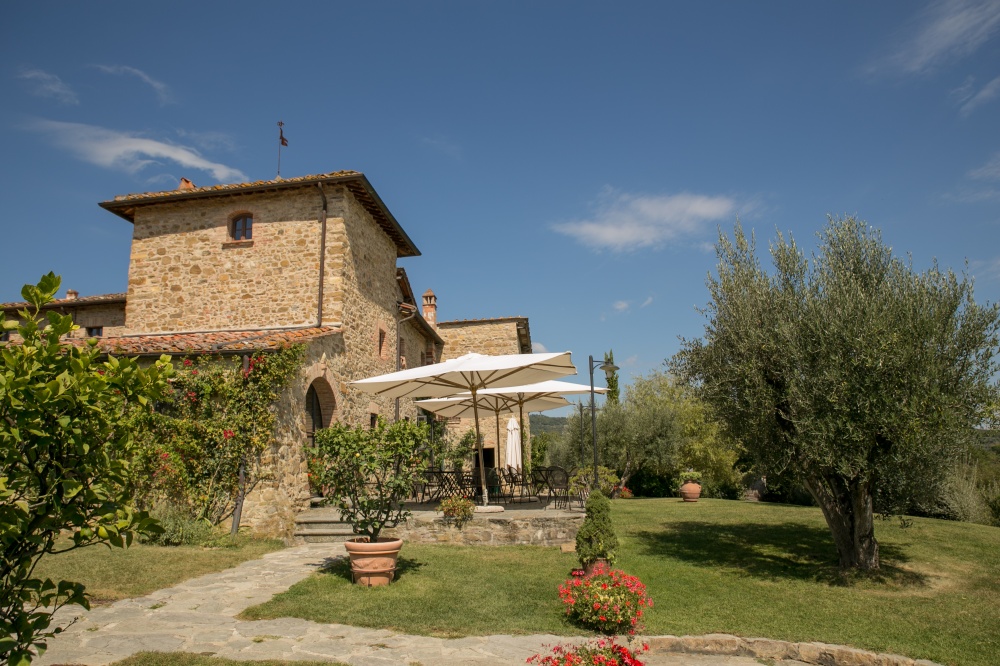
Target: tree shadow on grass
<point>786,551</point>
<point>341,567</point>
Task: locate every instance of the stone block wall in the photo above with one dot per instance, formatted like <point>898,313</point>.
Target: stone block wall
<point>186,273</point>
<point>491,530</point>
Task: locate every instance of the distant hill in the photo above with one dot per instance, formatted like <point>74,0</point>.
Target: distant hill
<point>541,423</point>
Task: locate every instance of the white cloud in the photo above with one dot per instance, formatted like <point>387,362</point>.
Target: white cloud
<point>443,145</point>
<point>49,85</point>
<point>624,222</point>
<point>973,100</point>
<point>989,171</point>
<point>539,348</point>
<point>128,152</point>
<point>647,302</point>
<point>209,140</point>
<point>620,306</point>
<point>989,269</point>
<point>631,360</point>
<point>944,31</point>
<point>162,90</point>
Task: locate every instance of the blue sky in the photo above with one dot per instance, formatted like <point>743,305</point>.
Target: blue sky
<point>600,146</point>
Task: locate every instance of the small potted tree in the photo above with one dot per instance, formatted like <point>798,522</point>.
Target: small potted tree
<point>690,486</point>
<point>596,542</point>
<point>368,472</point>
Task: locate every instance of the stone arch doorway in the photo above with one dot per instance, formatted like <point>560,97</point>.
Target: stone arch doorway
<point>321,404</point>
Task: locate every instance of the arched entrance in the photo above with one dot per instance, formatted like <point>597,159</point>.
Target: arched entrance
<point>320,407</point>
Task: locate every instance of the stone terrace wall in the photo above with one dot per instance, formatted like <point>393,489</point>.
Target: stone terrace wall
<point>491,530</point>
<point>186,274</point>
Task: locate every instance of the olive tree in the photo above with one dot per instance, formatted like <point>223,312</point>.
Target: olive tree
<point>852,371</point>
<point>64,462</point>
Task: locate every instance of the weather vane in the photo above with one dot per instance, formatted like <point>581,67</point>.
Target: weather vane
<point>282,141</point>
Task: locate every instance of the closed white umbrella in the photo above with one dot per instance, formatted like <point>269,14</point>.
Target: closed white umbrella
<point>472,373</point>
<point>513,456</point>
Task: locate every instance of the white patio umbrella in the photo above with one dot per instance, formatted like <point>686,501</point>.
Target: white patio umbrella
<point>552,387</point>
<point>472,373</point>
<point>513,457</point>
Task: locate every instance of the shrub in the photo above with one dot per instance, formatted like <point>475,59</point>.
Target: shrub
<point>457,509</point>
<point>603,652</point>
<point>65,457</point>
<point>370,471</point>
<point>179,528</point>
<point>582,481</point>
<point>596,538</point>
<point>609,601</point>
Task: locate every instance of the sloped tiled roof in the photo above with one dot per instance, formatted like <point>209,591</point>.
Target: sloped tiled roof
<point>125,205</point>
<point>220,342</point>
<point>69,302</point>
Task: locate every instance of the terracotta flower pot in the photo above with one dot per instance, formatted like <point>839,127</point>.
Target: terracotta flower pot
<point>690,491</point>
<point>373,563</point>
<point>600,562</point>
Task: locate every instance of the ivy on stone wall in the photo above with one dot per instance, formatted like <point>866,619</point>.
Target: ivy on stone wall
<point>218,415</point>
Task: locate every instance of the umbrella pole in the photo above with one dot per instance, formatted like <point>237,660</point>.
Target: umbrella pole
<point>479,447</point>
<point>520,432</point>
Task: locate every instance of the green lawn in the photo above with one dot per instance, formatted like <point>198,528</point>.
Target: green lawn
<point>185,659</point>
<point>112,574</point>
<point>750,569</point>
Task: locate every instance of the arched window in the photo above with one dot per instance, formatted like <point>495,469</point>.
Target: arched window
<point>314,412</point>
<point>241,227</point>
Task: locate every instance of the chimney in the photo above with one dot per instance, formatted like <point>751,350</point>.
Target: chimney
<point>430,309</point>
<point>186,185</point>
<point>72,294</point>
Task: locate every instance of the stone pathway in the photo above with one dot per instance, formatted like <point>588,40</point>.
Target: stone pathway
<point>199,616</point>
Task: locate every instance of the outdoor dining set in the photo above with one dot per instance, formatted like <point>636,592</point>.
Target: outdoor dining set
<point>505,485</point>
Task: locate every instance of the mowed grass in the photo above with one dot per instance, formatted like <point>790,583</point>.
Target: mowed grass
<point>750,569</point>
<point>110,574</point>
<point>186,659</point>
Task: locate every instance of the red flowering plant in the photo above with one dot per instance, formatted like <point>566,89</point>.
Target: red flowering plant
<point>608,601</point>
<point>603,652</point>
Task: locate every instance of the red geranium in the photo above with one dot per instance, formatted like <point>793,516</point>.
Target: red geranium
<point>609,601</point>
<point>604,652</point>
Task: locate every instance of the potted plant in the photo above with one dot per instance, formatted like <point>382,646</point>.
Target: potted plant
<point>457,510</point>
<point>368,472</point>
<point>596,542</point>
<point>690,486</point>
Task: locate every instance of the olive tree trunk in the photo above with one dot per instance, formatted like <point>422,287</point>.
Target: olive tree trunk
<point>849,512</point>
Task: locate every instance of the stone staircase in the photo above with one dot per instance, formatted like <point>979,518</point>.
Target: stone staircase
<point>322,525</point>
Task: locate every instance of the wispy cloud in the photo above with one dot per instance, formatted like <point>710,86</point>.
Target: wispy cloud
<point>49,85</point>
<point>443,145</point>
<point>624,222</point>
<point>162,90</point>
<point>631,360</point>
<point>944,31</point>
<point>620,306</point>
<point>647,302</point>
<point>970,99</point>
<point>127,151</point>
<point>539,348</point>
<point>988,269</point>
<point>989,171</point>
<point>209,140</point>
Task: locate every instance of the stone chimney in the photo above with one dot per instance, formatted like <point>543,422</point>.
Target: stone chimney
<point>186,185</point>
<point>431,309</point>
<point>72,294</point>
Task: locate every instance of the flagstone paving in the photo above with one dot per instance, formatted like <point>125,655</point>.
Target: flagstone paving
<point>199,616</point>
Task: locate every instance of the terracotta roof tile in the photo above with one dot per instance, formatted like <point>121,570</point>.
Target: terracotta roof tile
<point>235,186</point>
<point>62,302</point>
<point>218,342</point>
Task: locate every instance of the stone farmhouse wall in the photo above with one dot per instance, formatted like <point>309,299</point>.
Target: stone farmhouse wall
<point>110,316</point>
<point>492,337</point>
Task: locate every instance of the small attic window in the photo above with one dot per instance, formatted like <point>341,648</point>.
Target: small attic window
<point>241,228</point>
<point>95,331</point>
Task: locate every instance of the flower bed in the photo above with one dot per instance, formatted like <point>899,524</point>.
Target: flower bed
<point>609,601</point>
<point>604,652</point>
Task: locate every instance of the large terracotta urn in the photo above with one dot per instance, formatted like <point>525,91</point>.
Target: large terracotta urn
<point>373,563</point>
<point>690,491</point>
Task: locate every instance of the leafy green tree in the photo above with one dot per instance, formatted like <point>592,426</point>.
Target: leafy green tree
<point>65,450</point>
<point>540,444</point>
<point>613,395</point>
<point>852,371</point>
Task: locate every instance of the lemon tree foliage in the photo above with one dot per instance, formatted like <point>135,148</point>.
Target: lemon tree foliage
<point>64,462</point>
<point>853,372</point>
<point>217,417</point>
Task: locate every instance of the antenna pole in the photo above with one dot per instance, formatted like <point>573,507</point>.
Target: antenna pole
<point>281,142</point>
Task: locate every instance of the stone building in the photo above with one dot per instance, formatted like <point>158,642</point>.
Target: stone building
<point>232,269</point>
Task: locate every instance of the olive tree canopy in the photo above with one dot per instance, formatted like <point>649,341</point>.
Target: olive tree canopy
<point>852,371</point>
